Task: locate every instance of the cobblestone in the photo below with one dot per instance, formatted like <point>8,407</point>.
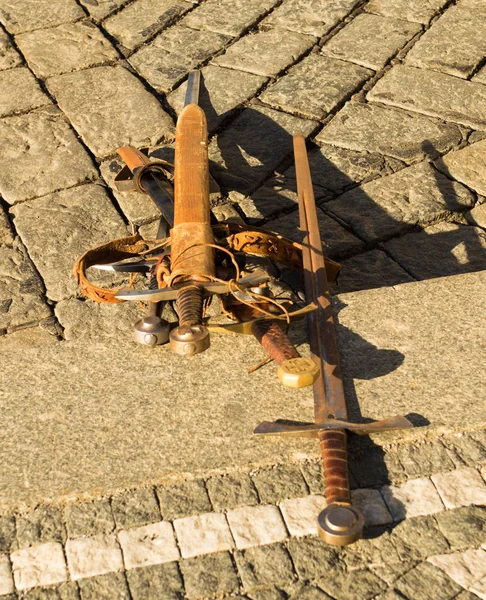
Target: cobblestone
<point>264,565</point>
<point>279,483</point>
<point>412,499</point>
<point>98,555</point>
<point>300,514</point>
<point>50,227</point>
<point>417,11</point>
<point>203,534</point>
<point>231,491</point>
<point>155,582</point>
<point>455,44</point>
<point>113,585</point>
<point>266,52</point>
<point>416,539</point>
<point>41,155</point>
<point>148,545</point>
<point>44,524</point>
<point>89,518</point>
<point>20,92</point>
<point>466,448</point>
<point>18,16</point>
<point>315,86</point>
<point>312,558</point>
<point>91,100</point>
<point>369,128</point>
<point>135,508</point>
<point>315,17</point>
<point>465,568</point>
<point>8,539</point>
<point>373,467</point>
<point>371,40</point>
<point>465,166</point>
<point>99,9</point>
<point>314,476</point>
<point>418,582</point>
<point>42,564</point>
<point>462,487</point>
<point>463,527</point>
<point>6,580</point>
<point>69,47</point>
<point>424,459</point>
<point>168,59</point>
<point>480,76</point>
<point>65,591</point>
<point>256,525</point>
<point>458,248</point>
<point>395,203</point>
<point>209,575</point>
<point>9,57</point>
<point>141,20</point>
<point>423,92</point>
<point>363,585</point>
<point>375,550</point>
<point>184,499</point>
<point>372,505</point>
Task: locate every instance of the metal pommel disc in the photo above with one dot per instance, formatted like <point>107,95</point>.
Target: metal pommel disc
<point>298,372</point>
<point>340,524</point>
<point>152,331</point>
<point>188,340</point>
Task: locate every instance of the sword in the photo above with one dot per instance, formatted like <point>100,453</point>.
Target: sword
<point>340,523</point>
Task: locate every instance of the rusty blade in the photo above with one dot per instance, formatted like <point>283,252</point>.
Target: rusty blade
<point>329,400</point>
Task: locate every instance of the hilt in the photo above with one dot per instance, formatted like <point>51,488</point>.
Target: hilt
<point>339,523</point>
<point>294,371</point>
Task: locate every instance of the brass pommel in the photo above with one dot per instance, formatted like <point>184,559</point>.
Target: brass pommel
<point>340,524</point>
<point>188,340</point>
<point>298,372</point>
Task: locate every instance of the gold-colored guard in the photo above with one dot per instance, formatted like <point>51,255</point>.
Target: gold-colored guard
<point>298,372</point>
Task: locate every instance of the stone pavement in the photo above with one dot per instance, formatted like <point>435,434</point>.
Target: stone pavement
<point>110,486</point>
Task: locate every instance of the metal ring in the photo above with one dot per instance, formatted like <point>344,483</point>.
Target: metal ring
<point>151,166</point>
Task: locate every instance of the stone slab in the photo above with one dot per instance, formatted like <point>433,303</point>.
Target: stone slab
<point>370,128</point>
<point>41,155</point>
<point>143,19</point>
<point>222,91</point>
<point>169,58</point>
<point>432,93</point>
<point>315,86</point>
<point>466,166</point>
<point>417,11</point>
<point>9,57</point>
<point>315,17</point>
<point>265,53</point>
<point>148,545</point>
<point>20,92</point>
<point>22,15</point>
<point>480,76</point>
<point>43,564</point>
<point>391,205</point>
<point>99,9</point>
<point>91,100</point>
<point>455,44</point>
<point>477,216</point>
<point>50,228</point>
<point>371,40</point>
<point>66,48</point>
<point>230,17</point>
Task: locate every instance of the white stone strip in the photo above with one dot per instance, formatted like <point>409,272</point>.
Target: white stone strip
<point>256,526</point>
<point>6,579</point>
<point>39,565</point>
<point>203,534</point>
<point>148,545</point>
<point>300,514</point>
<point>92,556</point>
<point>468,569</point>
<point>462,487</point>
<point>414,498</point>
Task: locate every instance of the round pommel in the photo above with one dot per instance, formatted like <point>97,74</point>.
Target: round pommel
<point>340,524</point>
<point>188,340</point>
<point>298,372</point>
<point>152,331</point>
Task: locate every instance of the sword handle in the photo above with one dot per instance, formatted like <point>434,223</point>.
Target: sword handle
<point>133,157</point>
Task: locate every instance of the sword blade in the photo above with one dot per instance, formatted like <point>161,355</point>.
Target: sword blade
<point>192,92</point>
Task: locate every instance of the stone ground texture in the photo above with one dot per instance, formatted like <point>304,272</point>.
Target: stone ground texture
<point>391,96</point>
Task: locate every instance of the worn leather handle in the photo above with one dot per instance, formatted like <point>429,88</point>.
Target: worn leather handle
<point>334,454</point>
<point>133,157</point>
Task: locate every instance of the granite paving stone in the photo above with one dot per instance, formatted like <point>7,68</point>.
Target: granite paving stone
<point>231,491</point>
<point>148,545</point>
<point>104,118</point>
<point>310,592</point>
<point>416,11</point>
<point>371,40</point>
<point>314,476</point>
<point>156,582</point>
<point>480,76</point>
<point>391,572</point>
<point>479,589</point>
<point>22,301</point>
<point>183,499</point>
<point>65,48</point>
<point>112,585</point>
<point>42,564</point>
<point>279,483</point>
<point>363,585</point>
<point>265,53</point>
<point>252,146</point>
<point>9,57</point>
<point>477,216</point>
<point>370,128</point>
<point>98,555</point>
<point>422,91</point>
<point>264,566</point>
<point>374,550</point>
<point>100,9</point>
<point>169,58</point>
<point>416,539</point>
<point>389,206</point>
<point>228,16</point>
<point>371,504</point>
<point>414,498</point>
<point>209,575</point>
<point>18,16</point>
<point>203,534</point>
<point>466,450</point>
<point>8,539</point>
<point>141,20</point>
<point>6,580</point>
<point>28,337</point>
<point>315,17</point>
<point>43,524</point>
<point>256,525</point>
<point>21,92</point>
<point>465,166</point>
<point>337,242</point>
<point>418,582</point>
<point>465,568</point>
<point>455,44</point>
<point>41,155</point>
<point>57,229</point>
<point>135,508</point>
<point>89,518</point>
<point>463,527</point>
<point>315,86</point>
<point>438,250</point>
<point>462,487</point>
<point>300,514</point>
<point>424,459</point>
<point>269,593</point>
<point>65,591</point>
<point>222,91</point>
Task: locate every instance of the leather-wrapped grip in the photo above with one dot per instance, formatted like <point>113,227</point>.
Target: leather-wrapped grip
<point>334,454</point>
<point>275,341</point>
